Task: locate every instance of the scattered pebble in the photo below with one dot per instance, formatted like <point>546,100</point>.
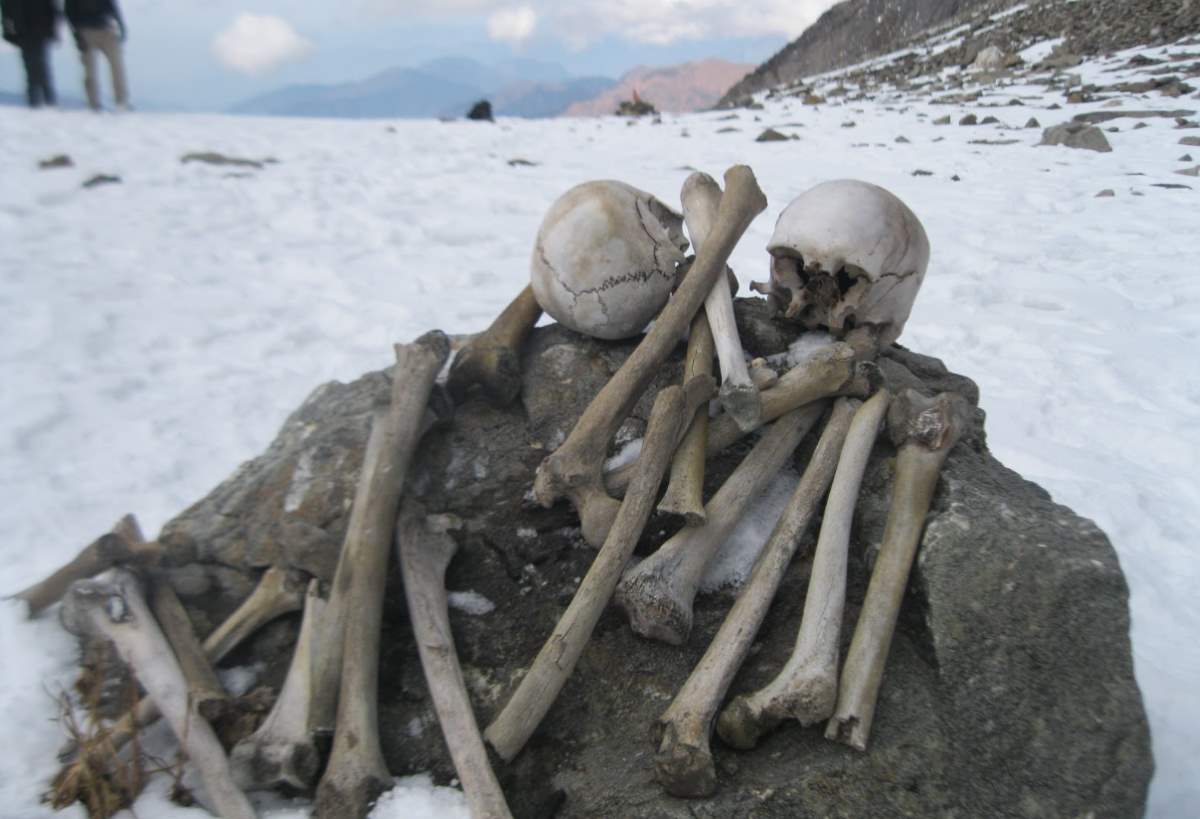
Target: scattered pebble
<point>771,135</point>
<point>969,119</point>
<point>59,161</point>
<point>102,179</point>
<point>1107,192</point>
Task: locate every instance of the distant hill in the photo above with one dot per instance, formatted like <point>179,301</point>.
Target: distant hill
<point>443,87</point>
<point>692,86</point>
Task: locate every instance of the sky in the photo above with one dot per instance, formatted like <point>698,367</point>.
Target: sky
<point>210,54</point>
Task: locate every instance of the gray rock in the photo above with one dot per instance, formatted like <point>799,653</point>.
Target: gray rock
<point>1076,135</point>
<point>1107,192</point>
<point>1193,171</point>
<point>1193,141</point>
<point>1033,123</point>
<point>771,135</point>
<point>942,120</point>
<point>969,119</point>
<point>56,161</point>
<point>1009,689</point>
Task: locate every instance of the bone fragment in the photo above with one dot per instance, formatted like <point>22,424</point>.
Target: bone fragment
<point>281,753</point>
<point>925,430</point>
<point>763,376</point>
<point>118,547</point>
<point>830,371</point>
<point>492,359</point>
<point>658,593</point>
<point>806,687</point>
<point>356,773</point>
<point>511,729</point>
<point>275,595</point>
<point>205,692</point>
<point>575,469</point>
<point>425,549</point>
<point>115,609</point>
<point>684,494</point>
<point>701,196</point>
<point>684,763</point>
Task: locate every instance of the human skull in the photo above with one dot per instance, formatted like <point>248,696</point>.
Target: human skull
<point>847,254</point>
<point>605,259</point>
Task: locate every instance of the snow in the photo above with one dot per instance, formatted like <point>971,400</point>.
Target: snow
<point>158,331</point>
<point>470,602</point>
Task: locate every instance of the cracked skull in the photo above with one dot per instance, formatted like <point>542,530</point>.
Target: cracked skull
<point>606,259</point>
<point>847,254</point>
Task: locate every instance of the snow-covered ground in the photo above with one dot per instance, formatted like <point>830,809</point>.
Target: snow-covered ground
<point>156,332</point>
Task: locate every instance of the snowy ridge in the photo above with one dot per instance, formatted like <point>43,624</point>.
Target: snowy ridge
<point>159,330</point>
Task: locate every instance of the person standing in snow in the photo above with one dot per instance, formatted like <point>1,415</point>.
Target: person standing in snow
<point>99,27</point>
<point>31,25</point>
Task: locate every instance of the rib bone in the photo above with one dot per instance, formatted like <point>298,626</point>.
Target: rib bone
<point>492,359</point>
<point>281,753</point>
<point>739,396</point>
<point>575,469</point>
<point>925,430</point>
<point>356,773</point>
<point>115,609</point>
<point>658,593</point>
<point>425,550</point>
<point>684,762</point>
<point>806,688</point>
<point>830,371</point>
<point>122,546</point>
<point>511,729</point>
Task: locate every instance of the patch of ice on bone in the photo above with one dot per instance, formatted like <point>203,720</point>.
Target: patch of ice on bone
<point>627,454</point>
<point>241,678</point>
<point>732,564</point>
<point>416,797</point>
<point>301,480</point>
<point>470,602</point>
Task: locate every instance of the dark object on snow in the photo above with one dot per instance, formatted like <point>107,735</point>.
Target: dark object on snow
<point>1076,135</point>
<point>214,158</point>
<point>102,179</point>
<point>58,161</point>
<point>636,107</point>
<point>481,111</point>
<point>1013,637</point>
<point>771,135</point>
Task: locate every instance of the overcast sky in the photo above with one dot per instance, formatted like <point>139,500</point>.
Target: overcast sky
<point>208,54</point>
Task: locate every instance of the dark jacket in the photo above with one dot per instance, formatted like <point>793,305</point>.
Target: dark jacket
<point>28,21</point>
<point>92,13</point>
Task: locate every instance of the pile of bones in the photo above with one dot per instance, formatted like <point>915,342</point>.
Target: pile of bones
<point>847,259</point>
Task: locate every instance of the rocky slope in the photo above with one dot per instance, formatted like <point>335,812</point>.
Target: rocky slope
<point>692,86</point>
<point>856,30</point>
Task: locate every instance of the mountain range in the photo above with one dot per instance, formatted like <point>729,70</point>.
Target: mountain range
<point>690,86</point>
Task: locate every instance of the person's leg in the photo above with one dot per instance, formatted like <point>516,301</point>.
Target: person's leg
<point>110,44</point>
<point>88,55</point>
<point>48,95</point>
<point>33,87</point>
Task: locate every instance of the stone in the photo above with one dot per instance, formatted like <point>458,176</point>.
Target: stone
<point>989,120</point>
<point>771,135</point>
<point>1107,192</point>
<point>1185,158</point>
<point>481,111</point>
<point>1193,141</point>
<point>1096,117</point>
<point>902,140</point>
<point>1033,123</point>
<point>1076,135</point>
<point>1193,171</point>
<point>989,59</point>
<point>1012,644</point>
<point>57,161</point>
<point>220,160</point>
<point>942,120</point>
<point>969,119</point>
<point>102,179</point>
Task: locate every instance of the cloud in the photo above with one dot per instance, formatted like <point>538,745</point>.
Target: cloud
<point>256,43</point>
<point>512,25</point>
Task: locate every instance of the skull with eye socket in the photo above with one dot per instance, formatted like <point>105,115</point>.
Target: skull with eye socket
<point>847,254</point>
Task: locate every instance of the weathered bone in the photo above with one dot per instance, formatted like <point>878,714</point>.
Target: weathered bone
<point>205,692</point>
<point>575,469</point>
<point>740,398</point>
<point>658,593</point>
<point>115,548</point>
<point>684,762</point>
<point>511,729</point>
<point>925,430</point>
<point>763,375</point>
<point>356,773</point>
<point>425,550</point>
<point>806,687</point>
<point>492,359</point>
<point>828,372</point>
<point>281,752</point>
<point>684,494</point>
<point>115,609</point>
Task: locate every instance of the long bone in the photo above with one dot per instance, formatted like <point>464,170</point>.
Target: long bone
<point>739,396</point>
<point>575,469</point>
<point>356,773</point>
<point>425,549</point>
<point>492,359</point>
<point>115,609</point>
<point>924,430</point>
<point>828,372</point>
<point>121,546</point>
<point>684,762</point>
<point>511,729</point>
<point>205,692</point>
<point>806,687</point>
<point>281,752</point>
<point>657,594</point>
<point>275,595</point>
<point>684,493</point>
